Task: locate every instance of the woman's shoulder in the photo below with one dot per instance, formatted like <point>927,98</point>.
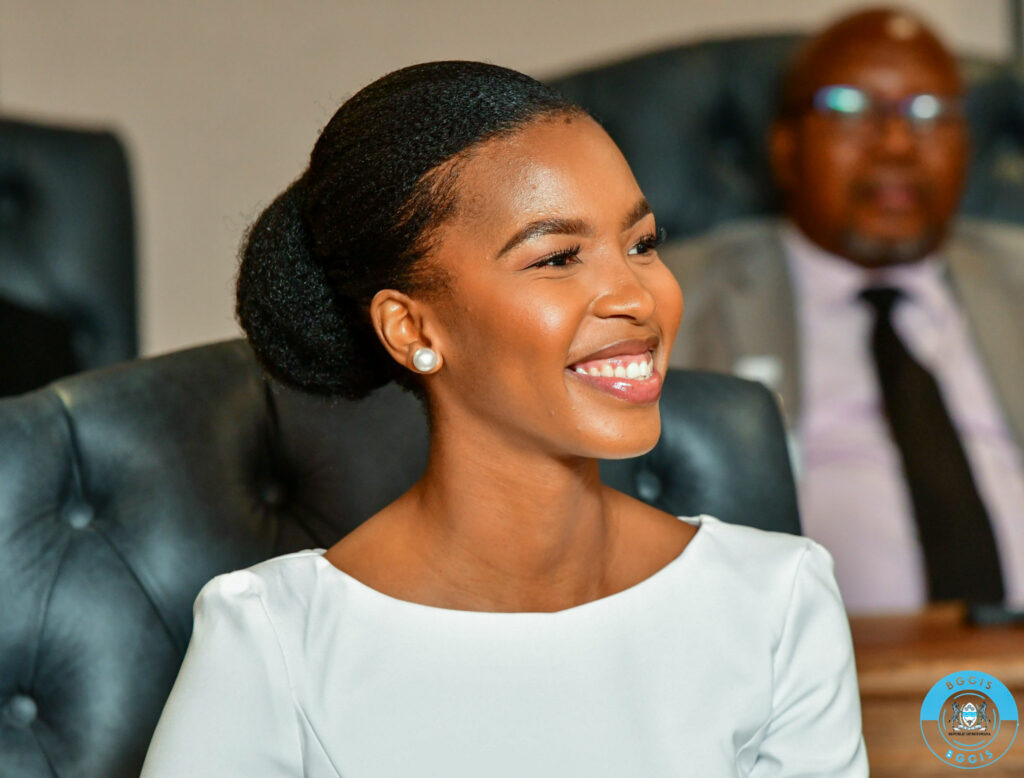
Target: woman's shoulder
<point>746,543</point>
<point>282,584</point>
<point>763,563</point>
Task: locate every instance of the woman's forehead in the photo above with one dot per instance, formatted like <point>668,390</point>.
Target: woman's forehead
<point>554,168</point>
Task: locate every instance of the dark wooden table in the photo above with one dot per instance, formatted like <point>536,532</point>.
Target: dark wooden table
<point>899,658</point>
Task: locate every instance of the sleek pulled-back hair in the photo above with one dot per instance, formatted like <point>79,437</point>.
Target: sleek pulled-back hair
<point>380,180</point>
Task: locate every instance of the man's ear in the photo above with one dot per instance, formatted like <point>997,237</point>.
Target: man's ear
<point>403,325</point>
<point>782,153</point>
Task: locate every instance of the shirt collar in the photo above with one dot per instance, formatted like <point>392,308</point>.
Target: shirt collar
<point>825,279</point>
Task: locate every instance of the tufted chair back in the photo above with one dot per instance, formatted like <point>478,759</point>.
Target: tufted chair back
<point>67,254</point>
<point>123,490</point>
<point>692,120</point>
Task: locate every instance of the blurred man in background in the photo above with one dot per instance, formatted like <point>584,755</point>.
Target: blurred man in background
<point>893,332</point>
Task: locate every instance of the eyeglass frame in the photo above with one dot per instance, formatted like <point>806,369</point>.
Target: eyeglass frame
<point>945,109</point>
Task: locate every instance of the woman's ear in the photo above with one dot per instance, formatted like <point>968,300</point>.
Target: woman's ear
<point>402,324</point>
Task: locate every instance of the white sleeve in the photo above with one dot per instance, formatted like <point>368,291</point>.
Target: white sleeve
<point>231,711</point>
<point>815,725</point>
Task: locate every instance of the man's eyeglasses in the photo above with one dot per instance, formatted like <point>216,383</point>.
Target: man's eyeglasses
<point>856,108</point>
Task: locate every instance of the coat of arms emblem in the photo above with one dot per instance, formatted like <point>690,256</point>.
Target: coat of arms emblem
<point>970,717</point>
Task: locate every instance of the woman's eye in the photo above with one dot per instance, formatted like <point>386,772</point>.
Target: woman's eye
<point>648,243</point>
<point>559,258</point>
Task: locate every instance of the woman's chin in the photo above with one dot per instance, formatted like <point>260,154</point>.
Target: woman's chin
<point>627,443</point>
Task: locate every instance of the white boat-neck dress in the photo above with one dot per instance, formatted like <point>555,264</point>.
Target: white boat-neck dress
<point>732,660</point>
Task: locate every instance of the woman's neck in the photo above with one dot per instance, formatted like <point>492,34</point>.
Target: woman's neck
<point>494,524</point>
<point>523,530</point>
<point>499,523</point>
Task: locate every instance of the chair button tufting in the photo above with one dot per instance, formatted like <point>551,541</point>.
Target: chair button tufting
<point>273,494</point>
<point>21,710</point>
<point>79,516</point>
<point>648,486</point>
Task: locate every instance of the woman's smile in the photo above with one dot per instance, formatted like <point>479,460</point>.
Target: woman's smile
<point>625,370</point>
<point>640,389</point>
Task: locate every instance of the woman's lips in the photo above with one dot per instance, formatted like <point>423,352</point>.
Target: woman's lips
<point>621,365</point>
<point>624,348</point>
<point>633,390</point>
<point>624,370</point>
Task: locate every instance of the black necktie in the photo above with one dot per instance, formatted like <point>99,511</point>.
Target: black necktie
<point>959,549</point>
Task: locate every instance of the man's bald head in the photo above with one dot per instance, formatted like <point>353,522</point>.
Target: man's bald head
<point>880,35</point>
<point>870,146</point>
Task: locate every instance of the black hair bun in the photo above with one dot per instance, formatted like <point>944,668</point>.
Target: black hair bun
<point>301,331</point>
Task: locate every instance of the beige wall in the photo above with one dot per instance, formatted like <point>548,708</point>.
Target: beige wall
<point>220,101</point>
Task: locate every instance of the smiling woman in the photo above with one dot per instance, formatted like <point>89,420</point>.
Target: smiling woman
<point>468,232</point>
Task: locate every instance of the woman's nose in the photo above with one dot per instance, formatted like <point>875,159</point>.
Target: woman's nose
<point>623,293</point>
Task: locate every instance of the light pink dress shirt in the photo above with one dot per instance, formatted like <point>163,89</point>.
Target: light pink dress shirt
<point>853,498</point>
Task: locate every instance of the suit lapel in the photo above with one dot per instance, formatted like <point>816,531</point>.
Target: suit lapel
<point>996,322</point>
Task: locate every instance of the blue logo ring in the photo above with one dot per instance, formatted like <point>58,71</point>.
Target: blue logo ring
<point>969,719</point>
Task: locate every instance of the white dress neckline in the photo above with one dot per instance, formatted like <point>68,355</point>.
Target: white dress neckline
<point>641,588</point>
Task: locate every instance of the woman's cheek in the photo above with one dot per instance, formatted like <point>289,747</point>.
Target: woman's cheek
<point>669,297</point>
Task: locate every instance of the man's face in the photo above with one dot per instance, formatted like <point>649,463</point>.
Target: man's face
<point>876,188</point>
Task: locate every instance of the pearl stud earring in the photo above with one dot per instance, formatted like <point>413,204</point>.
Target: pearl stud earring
<point>424,359</point>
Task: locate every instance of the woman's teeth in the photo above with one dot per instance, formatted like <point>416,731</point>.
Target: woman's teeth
<point>638,368</point>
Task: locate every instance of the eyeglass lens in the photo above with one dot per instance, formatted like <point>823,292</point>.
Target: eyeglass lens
<point>851,102</point>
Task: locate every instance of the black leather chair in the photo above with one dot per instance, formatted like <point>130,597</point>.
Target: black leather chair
<point>692,121</point>
<point>67,254</point>
<point>123,490</point>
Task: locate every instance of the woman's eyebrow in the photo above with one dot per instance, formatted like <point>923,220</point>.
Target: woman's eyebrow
<point>541,227</point>
<point>559,226</point>
<point>639,211</point>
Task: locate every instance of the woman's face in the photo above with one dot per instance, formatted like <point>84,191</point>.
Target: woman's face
<point>555,276</point>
